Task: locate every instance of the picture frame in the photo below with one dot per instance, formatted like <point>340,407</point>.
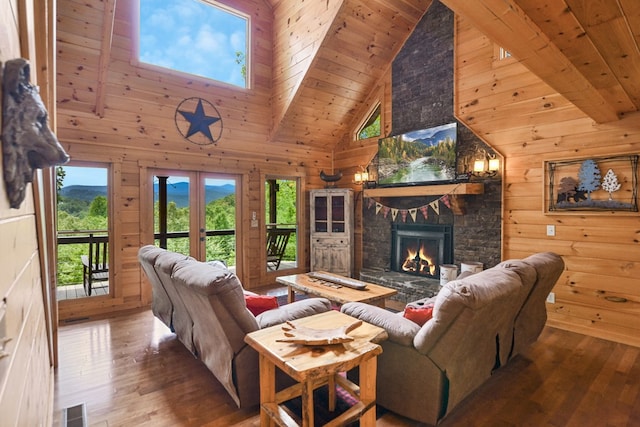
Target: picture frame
<point>594,184</point>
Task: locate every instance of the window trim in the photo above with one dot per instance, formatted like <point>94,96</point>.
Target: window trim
<point>362,124</point>
<point>135,49</point>
<point>113,229</point>
<point>301,216</point>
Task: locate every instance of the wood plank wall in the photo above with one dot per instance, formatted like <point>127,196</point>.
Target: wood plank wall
<point>135,131</point>
<point>26,374</point>
<point>527,122</point>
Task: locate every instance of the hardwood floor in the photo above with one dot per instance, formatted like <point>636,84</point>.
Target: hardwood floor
<point>131,370</point>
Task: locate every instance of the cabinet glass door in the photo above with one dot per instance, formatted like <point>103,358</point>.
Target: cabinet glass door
<point>321,218</point>
<point>337,214</point>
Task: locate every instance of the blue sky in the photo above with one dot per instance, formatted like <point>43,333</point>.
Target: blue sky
<point>194,37</point>
<point>84,176</point>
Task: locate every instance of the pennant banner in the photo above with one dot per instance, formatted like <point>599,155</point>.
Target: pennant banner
<point>435,206</point>
<point>424,211</point>
<point>445,200</point>
<point>411,212</point>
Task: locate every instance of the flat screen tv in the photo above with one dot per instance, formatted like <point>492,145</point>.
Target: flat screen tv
<point>420,157</point>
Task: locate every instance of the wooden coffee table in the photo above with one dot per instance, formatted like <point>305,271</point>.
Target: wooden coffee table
<point>373,294</point>
<point>315,365</point>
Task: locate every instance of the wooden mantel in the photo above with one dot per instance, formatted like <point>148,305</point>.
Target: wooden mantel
<point>453,190</point>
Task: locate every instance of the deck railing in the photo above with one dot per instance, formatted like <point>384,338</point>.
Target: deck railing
<point>82,237</point>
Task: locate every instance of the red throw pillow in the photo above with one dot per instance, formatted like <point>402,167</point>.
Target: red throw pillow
<point>260,303</point>
<point>419,315</point>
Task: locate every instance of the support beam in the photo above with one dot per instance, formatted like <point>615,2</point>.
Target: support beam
<point>105,54</point>
<point>504,22</point>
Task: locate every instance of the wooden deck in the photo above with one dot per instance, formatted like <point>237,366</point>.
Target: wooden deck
<point>77,291</point>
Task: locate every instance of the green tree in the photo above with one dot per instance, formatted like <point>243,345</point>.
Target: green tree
<point>371,128</point>
<point>240,59</point>
<point>221,215</point>
<point>60,175</point>
<point>76,207</point>
<point>98,207</point>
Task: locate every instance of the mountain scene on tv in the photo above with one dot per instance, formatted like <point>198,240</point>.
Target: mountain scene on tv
<point>427,155</point>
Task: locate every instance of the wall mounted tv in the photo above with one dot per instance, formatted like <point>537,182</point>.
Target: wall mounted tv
<point>421,157</point>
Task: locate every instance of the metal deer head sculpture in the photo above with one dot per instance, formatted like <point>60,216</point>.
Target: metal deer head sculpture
<point>27,141</point>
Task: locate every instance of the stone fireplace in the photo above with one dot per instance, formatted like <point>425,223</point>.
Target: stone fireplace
<point>472,237</point>
<point>420,249</point>
<point>422,97</point>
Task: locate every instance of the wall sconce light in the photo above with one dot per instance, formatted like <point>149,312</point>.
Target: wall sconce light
<point>494,165</point>
<point>361,177</point>
<point>480,168</point>
<point>364,178</point>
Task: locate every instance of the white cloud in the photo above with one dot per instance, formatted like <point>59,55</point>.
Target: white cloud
<point>238,41</point>
<point>192,37</point>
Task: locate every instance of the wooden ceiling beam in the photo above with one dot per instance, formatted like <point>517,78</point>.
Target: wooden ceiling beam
<point>105,54</point>
<point>611,32</point>
<point>504,22</point>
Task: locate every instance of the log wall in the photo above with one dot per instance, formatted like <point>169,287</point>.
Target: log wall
<point>527,122</point>
<point>131,128</point>
<point>26,373</point>
<point>121,113</point>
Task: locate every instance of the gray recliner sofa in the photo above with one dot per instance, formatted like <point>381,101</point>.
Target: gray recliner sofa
<point>204,304</point>
<point>479,323</point>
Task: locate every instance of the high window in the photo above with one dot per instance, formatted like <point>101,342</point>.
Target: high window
<point>198,37</point>
<point>371,127</point>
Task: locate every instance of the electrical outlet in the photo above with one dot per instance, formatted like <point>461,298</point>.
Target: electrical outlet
<point>551,230</point>
<point>551,298</point>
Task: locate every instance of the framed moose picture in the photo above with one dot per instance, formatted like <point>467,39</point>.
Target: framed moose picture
<point>592,184</point>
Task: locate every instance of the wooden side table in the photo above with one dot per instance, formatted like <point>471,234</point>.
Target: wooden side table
<point>317,365</point>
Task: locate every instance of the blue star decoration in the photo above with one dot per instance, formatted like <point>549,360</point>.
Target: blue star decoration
<point>198,121</point>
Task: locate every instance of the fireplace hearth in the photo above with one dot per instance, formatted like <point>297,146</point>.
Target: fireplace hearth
<point>420,249</point>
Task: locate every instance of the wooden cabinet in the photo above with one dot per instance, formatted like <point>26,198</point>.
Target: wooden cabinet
<point>332,231</point>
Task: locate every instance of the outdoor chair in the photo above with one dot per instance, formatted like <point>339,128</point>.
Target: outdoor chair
<point>277,240</point>
<point>95,266</point>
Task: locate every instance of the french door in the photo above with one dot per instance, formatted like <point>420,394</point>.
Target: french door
<point>195,213</point>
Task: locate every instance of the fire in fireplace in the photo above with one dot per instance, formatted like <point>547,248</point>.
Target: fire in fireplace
<point>420,249</point>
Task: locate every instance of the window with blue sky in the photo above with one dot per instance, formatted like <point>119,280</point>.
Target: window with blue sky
<point>195,36</point>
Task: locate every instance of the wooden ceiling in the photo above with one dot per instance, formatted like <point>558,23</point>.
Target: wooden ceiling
<point>315,102</point>
<point>587,50</point>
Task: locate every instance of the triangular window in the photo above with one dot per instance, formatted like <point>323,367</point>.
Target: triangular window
<point>371,127</point>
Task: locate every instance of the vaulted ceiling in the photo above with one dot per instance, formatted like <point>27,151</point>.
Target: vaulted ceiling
<point>327,58</point>
<point>328,55</point>
<point>587,50</point>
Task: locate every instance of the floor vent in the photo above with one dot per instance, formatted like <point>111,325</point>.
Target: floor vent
<point>75,416</point>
